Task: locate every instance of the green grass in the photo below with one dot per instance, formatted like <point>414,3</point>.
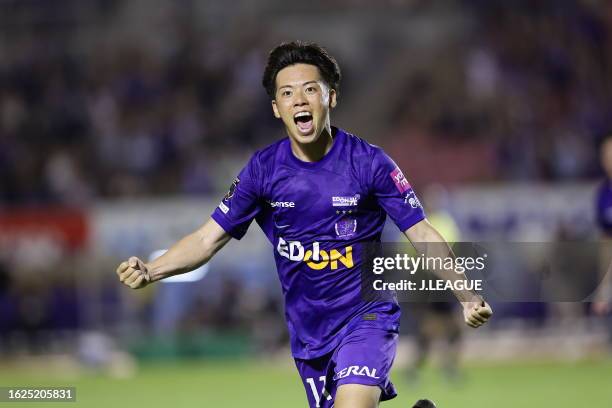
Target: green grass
<point>230,384</point>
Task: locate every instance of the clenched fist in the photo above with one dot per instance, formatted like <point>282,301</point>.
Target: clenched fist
<point>134,273</point>
<point>476,313</point>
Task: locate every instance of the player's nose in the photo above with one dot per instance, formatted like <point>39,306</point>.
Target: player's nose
<point>300,99</point>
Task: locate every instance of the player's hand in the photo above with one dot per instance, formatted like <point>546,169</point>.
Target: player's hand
<point>476,313</point>
<point>134,273</point>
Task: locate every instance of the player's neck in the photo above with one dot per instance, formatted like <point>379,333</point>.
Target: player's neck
<point>313,152</point>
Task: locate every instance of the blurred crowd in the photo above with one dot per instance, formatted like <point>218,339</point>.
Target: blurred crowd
<point>56,314</point>
<point>123,121</point>
<point>524,94</point>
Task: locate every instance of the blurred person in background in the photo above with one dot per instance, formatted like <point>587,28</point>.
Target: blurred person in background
<point>603,298</point>
<point>319,188</point>
<point>438,320</point>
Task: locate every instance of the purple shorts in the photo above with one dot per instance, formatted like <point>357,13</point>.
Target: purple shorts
<point>364,356</point>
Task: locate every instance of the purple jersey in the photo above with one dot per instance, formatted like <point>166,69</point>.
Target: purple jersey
<point>317,216</point>
<point>604,207</point>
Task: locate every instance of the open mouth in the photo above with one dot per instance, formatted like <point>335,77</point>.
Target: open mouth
<point>304,122</point>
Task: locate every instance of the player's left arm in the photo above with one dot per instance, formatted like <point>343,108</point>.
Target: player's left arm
<point>427,240</point>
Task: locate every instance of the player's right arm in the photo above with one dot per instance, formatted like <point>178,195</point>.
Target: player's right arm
<point>191,252</point>
<point>230,219</point>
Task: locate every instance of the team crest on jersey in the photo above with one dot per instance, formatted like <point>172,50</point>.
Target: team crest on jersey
<point>346,227</point>
<point>232,189</point>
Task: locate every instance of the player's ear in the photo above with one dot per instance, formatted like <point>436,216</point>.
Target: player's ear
<point>275,109</point>
<point>332,98</point>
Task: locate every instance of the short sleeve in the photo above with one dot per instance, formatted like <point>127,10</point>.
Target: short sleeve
<point>242,202</point>
<point>393,192</point>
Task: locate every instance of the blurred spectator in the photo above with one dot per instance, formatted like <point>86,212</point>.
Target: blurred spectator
<point>434,320</point>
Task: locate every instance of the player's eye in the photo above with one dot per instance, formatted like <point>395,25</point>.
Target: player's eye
<point>311,89</point>
<point>286,93</point>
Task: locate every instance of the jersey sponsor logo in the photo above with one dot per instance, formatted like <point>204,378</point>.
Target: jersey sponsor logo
<point>223,207</point>
<point>315,258</point>
<point>361,371</point>
<point>400,181</point>
<point>412,199</point>
<point>343,201</point>
<point>232,189</point>
<point>282,204</point>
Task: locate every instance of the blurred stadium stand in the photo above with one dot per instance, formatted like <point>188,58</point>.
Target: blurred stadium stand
<point>134,117</point>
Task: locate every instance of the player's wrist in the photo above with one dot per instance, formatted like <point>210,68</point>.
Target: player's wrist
<point>151,274</point>
<point>467,298</point>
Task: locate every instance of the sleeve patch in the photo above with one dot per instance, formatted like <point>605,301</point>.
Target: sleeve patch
<point>223,207</point>
<point>232,189</point>
<point>400,181</point>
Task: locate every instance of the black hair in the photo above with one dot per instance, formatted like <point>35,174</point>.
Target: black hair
<point>298,52</point>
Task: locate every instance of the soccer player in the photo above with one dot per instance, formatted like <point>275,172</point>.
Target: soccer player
<point>318,195</point>
<point>602,304</point>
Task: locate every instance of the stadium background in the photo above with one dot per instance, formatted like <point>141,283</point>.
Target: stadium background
<point>122,123</point>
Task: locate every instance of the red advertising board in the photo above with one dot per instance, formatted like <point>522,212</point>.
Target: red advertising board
<point>68,227</point>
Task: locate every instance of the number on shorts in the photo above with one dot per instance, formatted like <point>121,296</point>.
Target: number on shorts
<point>315,393</point>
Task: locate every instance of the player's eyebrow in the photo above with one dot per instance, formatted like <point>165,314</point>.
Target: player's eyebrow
<point>304,83</point>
